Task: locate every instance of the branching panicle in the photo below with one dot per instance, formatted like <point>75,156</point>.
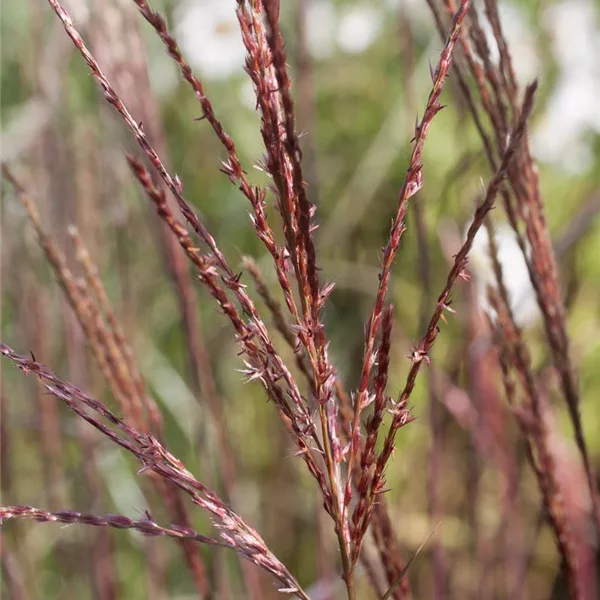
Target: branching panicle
<point>346,440</point>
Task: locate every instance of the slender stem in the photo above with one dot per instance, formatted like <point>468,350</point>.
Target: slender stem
<point>347,567</point>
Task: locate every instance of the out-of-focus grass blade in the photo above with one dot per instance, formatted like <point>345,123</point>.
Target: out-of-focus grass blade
<point>404,571</point>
